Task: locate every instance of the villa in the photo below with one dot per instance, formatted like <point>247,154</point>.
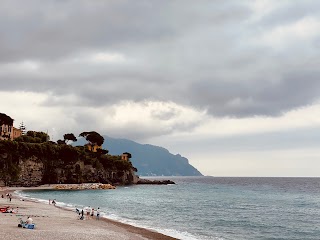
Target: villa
<point>7,130</point>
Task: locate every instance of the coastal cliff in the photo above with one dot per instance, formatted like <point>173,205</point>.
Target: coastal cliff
<point>32,164</point>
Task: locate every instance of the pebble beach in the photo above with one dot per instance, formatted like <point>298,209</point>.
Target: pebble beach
<point>54,223</point>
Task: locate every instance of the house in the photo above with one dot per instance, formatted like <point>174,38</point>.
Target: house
<point>125,156</point>
<point>7,130</point>
<point>93,148</point>
<point>16,132</point>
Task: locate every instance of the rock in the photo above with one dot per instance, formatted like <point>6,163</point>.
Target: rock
<point>84,186</point>
<point>155,182</point>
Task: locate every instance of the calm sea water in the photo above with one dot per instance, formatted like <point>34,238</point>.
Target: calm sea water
<point>210,207</point>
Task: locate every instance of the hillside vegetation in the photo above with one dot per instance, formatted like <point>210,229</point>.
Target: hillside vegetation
<point>32,159</point>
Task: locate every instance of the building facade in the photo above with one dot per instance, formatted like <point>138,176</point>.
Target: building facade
<point>7,130</point>
<point>93,148</point>
<point>16,133</point>
<point>125,156</point>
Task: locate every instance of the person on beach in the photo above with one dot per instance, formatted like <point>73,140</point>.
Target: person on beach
<point>88,210</point>
<point>15,210</point>
<point>29,220</point>
<point>82,213</point>
<point>92,213</point>
<point>54,202</point>
<point>98,214</point>
<point>8,210</point>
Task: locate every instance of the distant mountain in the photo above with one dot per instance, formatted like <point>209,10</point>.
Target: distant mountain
<point>148,159</point>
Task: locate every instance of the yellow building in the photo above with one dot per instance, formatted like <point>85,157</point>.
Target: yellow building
<point>125,156</point>
<point>16,133</point>
<point>93,148</point>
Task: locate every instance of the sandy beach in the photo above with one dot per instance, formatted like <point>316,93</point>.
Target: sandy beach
<point>53,223</point>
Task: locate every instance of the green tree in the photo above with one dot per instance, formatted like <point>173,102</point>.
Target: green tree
<point>69,137</point>
<point>102,151</point>
<point>9,162</point>
<point>93,138</point>
<point>61,142</point>
<point>26,139</point>
<point>23,128</point>
<point>40,137</point>
<point>68,154</point>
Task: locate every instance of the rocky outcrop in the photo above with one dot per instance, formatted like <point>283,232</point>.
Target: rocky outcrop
<point>33,164</point>
<point>84,186</point>
<point>155,182</point>
<point>31,173</point>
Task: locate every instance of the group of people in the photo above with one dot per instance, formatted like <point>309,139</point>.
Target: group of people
<point>11,210</point>
<point>90,213</point>
<point>8,196</point>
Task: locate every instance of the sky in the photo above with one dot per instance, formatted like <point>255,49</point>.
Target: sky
<point>231,85</point>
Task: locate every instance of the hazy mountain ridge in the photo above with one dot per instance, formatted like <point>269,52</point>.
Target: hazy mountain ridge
<point>149,159</point>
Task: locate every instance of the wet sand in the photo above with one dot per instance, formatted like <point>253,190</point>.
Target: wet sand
<point>54,223</point>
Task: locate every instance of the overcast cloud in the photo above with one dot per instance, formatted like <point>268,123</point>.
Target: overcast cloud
<point>158,71</point>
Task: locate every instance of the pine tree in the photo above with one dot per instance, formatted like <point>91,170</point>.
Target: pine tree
<point>22,127</point>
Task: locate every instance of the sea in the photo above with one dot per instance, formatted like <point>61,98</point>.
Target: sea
<point>221,208</point>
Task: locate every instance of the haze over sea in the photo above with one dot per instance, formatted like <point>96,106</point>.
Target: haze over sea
<point>209,207</point>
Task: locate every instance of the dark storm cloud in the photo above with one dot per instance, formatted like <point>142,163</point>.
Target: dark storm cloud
<point>259,97</point>
<point>205,54</point>
<point>53,29</point>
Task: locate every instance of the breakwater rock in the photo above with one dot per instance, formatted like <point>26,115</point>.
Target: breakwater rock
<point>155,182</point>
<point>83,186</point>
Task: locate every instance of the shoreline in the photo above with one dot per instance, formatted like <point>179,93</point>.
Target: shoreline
<point>52,220</point>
